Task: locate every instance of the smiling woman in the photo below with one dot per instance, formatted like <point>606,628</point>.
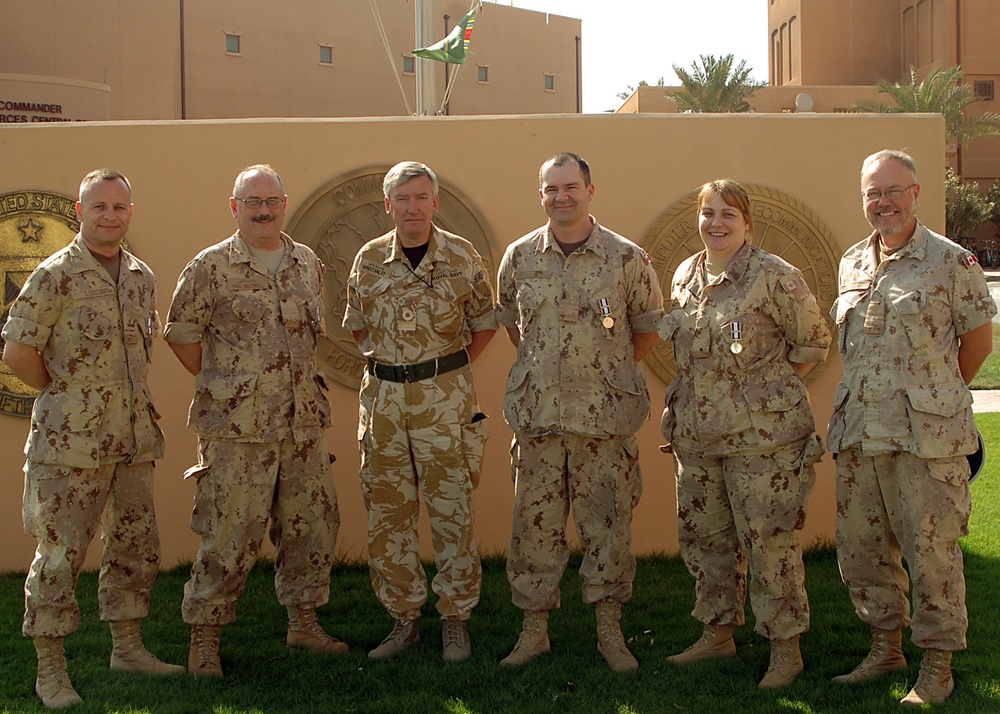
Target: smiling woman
<point>744,329</point>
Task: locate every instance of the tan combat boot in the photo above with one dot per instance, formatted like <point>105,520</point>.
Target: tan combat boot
<point>610,641</point>
<point>52,683</point>
<point>533,640</point>
<point>885,656</point>
<point>129,655</point>
<point>716,642</point>
<point>455,640</point>
<point>203,657</point>
<point>786,664</point>
<point>304,633</point>
<point>934,683</point>
<point>405,634</point>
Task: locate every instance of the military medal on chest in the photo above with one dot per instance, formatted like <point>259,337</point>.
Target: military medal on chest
<point>737,332</point>
<point>606,320</point>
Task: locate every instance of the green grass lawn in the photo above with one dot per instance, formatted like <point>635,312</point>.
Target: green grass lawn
<point>989,373</point>
<point>262,675</point>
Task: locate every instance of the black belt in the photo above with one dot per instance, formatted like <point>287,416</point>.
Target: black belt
<point>420,370</point>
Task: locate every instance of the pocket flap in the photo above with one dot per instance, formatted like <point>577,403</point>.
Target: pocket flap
<point>943,401</point>
<point>226,385</point>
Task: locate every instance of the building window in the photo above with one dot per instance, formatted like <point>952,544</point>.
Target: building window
<point>484,74</point>
<point>325,54</point>
<point>232,44</point>
<point>983,88</point>
<point>550,83</point>
<point>409,65</point>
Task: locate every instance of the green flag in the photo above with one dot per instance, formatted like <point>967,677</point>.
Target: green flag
<point>454,47</point>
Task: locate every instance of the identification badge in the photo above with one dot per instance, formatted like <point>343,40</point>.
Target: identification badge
<point>875,315</point>
<point>407,317</point>
<point>131,335</point>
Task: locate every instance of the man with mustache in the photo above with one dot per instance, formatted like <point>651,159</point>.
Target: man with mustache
<point>914,327</point>
<point>245,318</point>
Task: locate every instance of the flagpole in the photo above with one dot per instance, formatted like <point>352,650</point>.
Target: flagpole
<point>424,20</point>
<point>447,66</point>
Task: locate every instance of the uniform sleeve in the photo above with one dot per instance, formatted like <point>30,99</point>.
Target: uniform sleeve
<point>479,312</point>
<point>34,311</point>
<point>971,303</point>
<point>506,310</point>
<point>806,332</point>
<point>354,318</point>
<point>191,307</point>
<point>645,299</point>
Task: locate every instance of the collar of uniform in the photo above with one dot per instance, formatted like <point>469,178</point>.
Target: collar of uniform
<point>435,246</point>
<point>734,271</point>
<point>239,251</point>
<point>915,247</point>
<point>594,241</point>
<point>740,262</point>
<point>82,259</point>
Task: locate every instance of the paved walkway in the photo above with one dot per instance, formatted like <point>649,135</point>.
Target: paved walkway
<point>986,400</point>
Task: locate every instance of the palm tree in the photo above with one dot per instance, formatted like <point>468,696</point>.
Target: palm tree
<point>940,93</point>
<point>714,86</point>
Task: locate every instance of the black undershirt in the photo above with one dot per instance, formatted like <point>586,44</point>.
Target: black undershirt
<point>416,254</point>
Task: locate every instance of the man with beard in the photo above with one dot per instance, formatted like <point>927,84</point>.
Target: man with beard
<point>914,318</point>
<point>245,318</point>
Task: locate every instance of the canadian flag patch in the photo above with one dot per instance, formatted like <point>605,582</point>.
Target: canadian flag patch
<point>970,260</point>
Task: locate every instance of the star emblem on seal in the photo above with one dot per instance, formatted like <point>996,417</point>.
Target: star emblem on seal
<point>31,231</point>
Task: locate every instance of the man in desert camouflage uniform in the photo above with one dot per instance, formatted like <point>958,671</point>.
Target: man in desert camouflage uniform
<point>420,305</point>
<point>914,327</point>
<point>582,305</point>
<point>245,318</point>
<point>80,332</point>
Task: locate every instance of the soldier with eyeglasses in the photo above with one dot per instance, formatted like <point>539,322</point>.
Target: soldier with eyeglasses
<point>913,317</point>
<point>245,319</point>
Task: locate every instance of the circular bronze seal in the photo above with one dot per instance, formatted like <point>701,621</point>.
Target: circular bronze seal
<point>782,226</point>
<point>342,216</point>
<point>33,226</point>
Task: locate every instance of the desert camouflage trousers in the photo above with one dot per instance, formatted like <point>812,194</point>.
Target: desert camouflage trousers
<point>416,438</point>
<point>739,512</point>
<point>601,480</point>
<point>241,486</point>
<point>900,506</point>
<point>63,507</point>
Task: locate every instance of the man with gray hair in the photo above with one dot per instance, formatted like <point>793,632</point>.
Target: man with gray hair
<point>420,306</point>
<point>80,331</point>
<point>914,316</point>
<point>245,319</point>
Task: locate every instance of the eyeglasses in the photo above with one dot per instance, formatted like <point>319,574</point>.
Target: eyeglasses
<point>252,202</point>
<point>893,194</point>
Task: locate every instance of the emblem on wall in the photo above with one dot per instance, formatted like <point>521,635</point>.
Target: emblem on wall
<point>782,225</point>
<point>342,216</point>
<point>33,226</point>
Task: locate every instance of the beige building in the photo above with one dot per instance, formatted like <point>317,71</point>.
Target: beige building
<point>816,43</point>
<point>825,56</point>
<point>213,59</point>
